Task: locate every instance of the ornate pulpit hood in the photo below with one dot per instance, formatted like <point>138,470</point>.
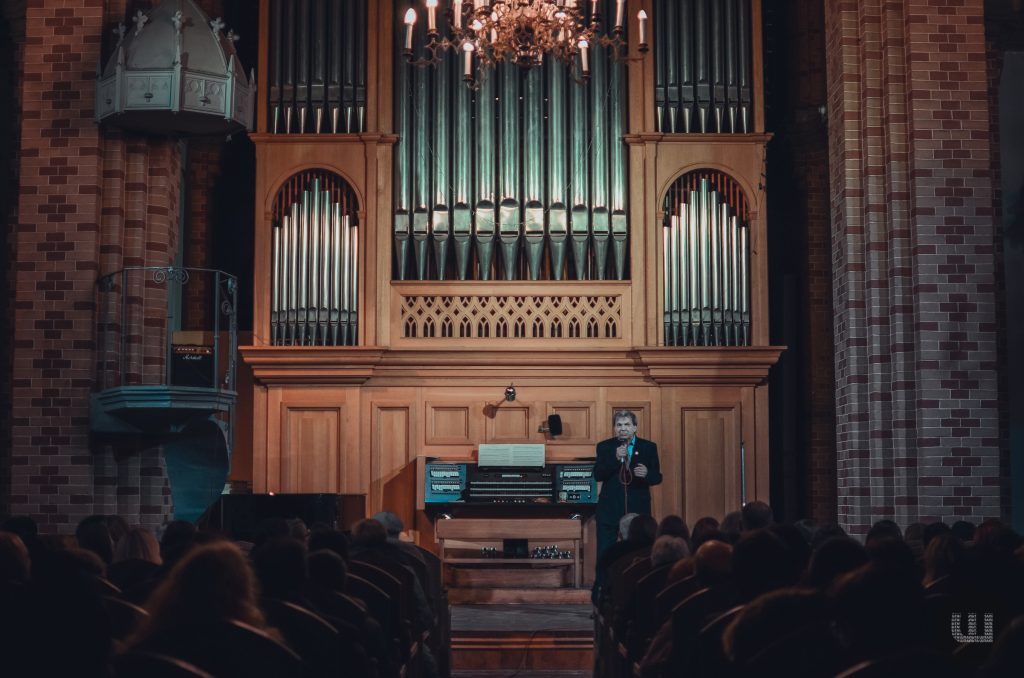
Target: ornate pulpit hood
<point>175,72</point>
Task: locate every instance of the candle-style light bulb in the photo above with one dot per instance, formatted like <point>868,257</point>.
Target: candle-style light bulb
<point>642,18</point>
<point>432,16</point>
<point>585,57</point>
<point>620,14</point>
<point>467,57</point>
<point>457,14</point>
<point>410,21</point>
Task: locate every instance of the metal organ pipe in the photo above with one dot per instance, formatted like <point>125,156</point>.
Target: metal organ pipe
<point>313,266</point>
<point>317,59</point>
<point>703,66</point>
<point>705,259</point>
<point>523,178</point>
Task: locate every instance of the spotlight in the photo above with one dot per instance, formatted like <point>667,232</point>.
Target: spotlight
<point>510,393</point>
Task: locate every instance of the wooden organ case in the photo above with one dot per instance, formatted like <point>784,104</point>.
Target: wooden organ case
<point>397,294</point>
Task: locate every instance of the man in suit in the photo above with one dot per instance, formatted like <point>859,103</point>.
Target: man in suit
<point>627,467</point>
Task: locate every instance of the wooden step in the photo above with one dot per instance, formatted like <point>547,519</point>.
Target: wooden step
<point>556,650</point>
<point>536,596</point>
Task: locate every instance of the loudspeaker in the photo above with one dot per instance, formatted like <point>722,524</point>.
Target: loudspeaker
<point>555,425</point>
<point>239,516</point>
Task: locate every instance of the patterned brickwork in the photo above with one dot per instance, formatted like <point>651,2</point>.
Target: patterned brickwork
<point>913,262</point>
<point>90,203</point>
<point>204,160</point>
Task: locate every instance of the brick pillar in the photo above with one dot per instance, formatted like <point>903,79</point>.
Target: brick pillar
<point>89,204</point>
<point>913,262</point>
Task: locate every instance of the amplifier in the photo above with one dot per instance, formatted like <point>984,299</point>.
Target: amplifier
<point>192,365</point>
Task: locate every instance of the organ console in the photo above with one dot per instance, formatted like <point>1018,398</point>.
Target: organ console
<point>467,483</point>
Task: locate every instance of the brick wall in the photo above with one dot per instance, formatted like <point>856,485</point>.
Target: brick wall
<point>90,203</point>
<point>913,262</point>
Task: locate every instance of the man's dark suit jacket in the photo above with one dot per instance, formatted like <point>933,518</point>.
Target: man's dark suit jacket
<point>611,503</point>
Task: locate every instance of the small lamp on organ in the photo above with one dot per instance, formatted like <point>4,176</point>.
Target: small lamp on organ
<point>467,56</point>
<point>642,20</point>
<point>410,21</point>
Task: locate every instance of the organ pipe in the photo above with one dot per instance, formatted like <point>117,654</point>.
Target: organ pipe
<point>314,254</point>
<point>317,58</point>
<point>703,66</point>
<point>525,177</point>
<point>706,264</point>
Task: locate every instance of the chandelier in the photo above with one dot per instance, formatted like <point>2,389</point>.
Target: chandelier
<point>522,32</point>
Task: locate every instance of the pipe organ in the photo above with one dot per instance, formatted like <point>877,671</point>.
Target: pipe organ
<point>521,179</point>
<point>703,66</point>
<point>706,259</point>
<point>584,241</point>
<point>317,63</point>
<point>314,250</point>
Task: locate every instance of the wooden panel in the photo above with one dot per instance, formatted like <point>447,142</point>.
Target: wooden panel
<point>711,472</point>
<point>526,528</point>
<point>311,449</point>
<point>579,423</point>
<point>448,424</point>
<point>509,424</point>
<point>393,476</point>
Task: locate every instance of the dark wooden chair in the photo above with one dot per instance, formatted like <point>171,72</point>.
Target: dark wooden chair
<point>229,649</point>
<point>124,617</point>
<point>384,610</point>
<point>642,625</point>
<point>672,595</point>
<point>711,661</point>
<point>154,665</point>
<point>315,640</point>
<point>689,616</point>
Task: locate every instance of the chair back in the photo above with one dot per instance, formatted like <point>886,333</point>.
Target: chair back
<point>229,649</point>
<point>710,655</point>
<point>124,617</point>
<point>154,665</point>
<point>314,639</point>
<point>672,595</point>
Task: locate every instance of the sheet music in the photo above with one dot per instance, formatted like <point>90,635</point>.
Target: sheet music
<point>514,454</point>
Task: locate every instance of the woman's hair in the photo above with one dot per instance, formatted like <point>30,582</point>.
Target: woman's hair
<point>211,583</point>
<point>944,555</point>
<point>138,544</point>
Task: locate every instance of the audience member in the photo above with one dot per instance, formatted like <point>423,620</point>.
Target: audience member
<point>668,549</point>
<point>675,526</point>
<point>756,515</point>
<point>963,530</point>
<point>835,557</point>
<point>136,561</point>
<point>93,535</point>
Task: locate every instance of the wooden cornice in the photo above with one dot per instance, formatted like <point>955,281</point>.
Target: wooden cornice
<point>710,365</point>
<point>696,138</point>
<point>311,364</point>
<point>358,365</point>
<point>317,139</point>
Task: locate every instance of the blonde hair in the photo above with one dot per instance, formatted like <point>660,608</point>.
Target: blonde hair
<point>138,544</point>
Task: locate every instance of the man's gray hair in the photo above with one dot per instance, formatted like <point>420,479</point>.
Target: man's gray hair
<point>668,549</point>
<point>624,414</point>
<point>624,522</point>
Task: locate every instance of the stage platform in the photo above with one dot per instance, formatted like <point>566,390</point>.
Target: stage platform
<point>494,639</point>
